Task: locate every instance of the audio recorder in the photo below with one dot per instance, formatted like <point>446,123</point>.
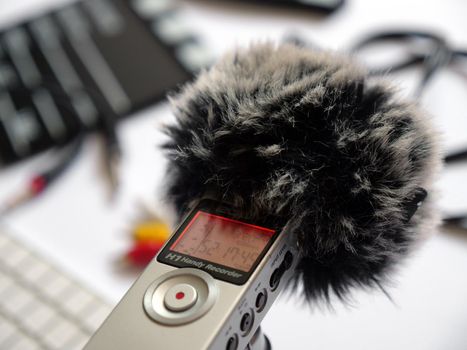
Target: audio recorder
<point>208,288</point>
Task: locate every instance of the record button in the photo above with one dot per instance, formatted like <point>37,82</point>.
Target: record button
<point>180,297</point>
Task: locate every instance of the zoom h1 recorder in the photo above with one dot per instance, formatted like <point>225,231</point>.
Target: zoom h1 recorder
<point>208,288</point>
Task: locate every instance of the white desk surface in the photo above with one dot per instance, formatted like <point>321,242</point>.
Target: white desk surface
<point>74,225</point>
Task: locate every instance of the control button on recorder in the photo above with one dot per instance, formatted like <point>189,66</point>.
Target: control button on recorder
<point>261,300</point>
<point>288,259</point>
<point>276,278</point>
<point>246,322</point>
<point>232,343</point>
<point>180,297</point>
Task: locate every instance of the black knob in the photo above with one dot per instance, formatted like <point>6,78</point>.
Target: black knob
<point>247,322</point>
<point>288,259</point>
<point>261,300</point>
<point>232,343</point>
<point>276,278</point>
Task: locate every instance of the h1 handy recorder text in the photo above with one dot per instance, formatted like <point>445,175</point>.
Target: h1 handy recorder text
<point>208,288</point>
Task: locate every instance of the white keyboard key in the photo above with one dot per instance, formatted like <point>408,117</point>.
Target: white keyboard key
<point>38,317</point>
<point>59,333</point>
<point>16,299</point>
<point>31,269</point>
<point>6,329</point>
<point>5,282</point>
<point>15,337</point>
<point>25,343</point>
<point>53,284</point>
<point>76,301</point>
<point>11,254</point>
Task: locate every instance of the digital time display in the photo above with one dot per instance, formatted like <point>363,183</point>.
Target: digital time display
<point>223,241</point>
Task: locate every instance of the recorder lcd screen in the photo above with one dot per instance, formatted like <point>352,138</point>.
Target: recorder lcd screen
<point>223,241</point>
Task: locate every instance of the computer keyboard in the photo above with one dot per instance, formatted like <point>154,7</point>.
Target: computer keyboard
<point>42,307</point>
<point>60,71</point>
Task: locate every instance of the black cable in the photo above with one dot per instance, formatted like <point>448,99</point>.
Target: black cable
<point>69,154</point>
<point>432,61</point>
<point>455,157</point>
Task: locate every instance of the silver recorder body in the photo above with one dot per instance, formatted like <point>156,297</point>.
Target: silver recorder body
<point>213,314</point>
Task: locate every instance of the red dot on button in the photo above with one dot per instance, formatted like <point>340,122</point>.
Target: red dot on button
<point>180,295</point>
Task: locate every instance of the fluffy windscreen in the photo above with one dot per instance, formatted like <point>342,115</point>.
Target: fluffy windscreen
<point>308,137</point>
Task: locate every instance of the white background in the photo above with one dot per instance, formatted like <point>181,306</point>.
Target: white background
<point>76,227</point>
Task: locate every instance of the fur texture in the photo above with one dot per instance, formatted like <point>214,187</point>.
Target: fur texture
<point>308,137</point>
